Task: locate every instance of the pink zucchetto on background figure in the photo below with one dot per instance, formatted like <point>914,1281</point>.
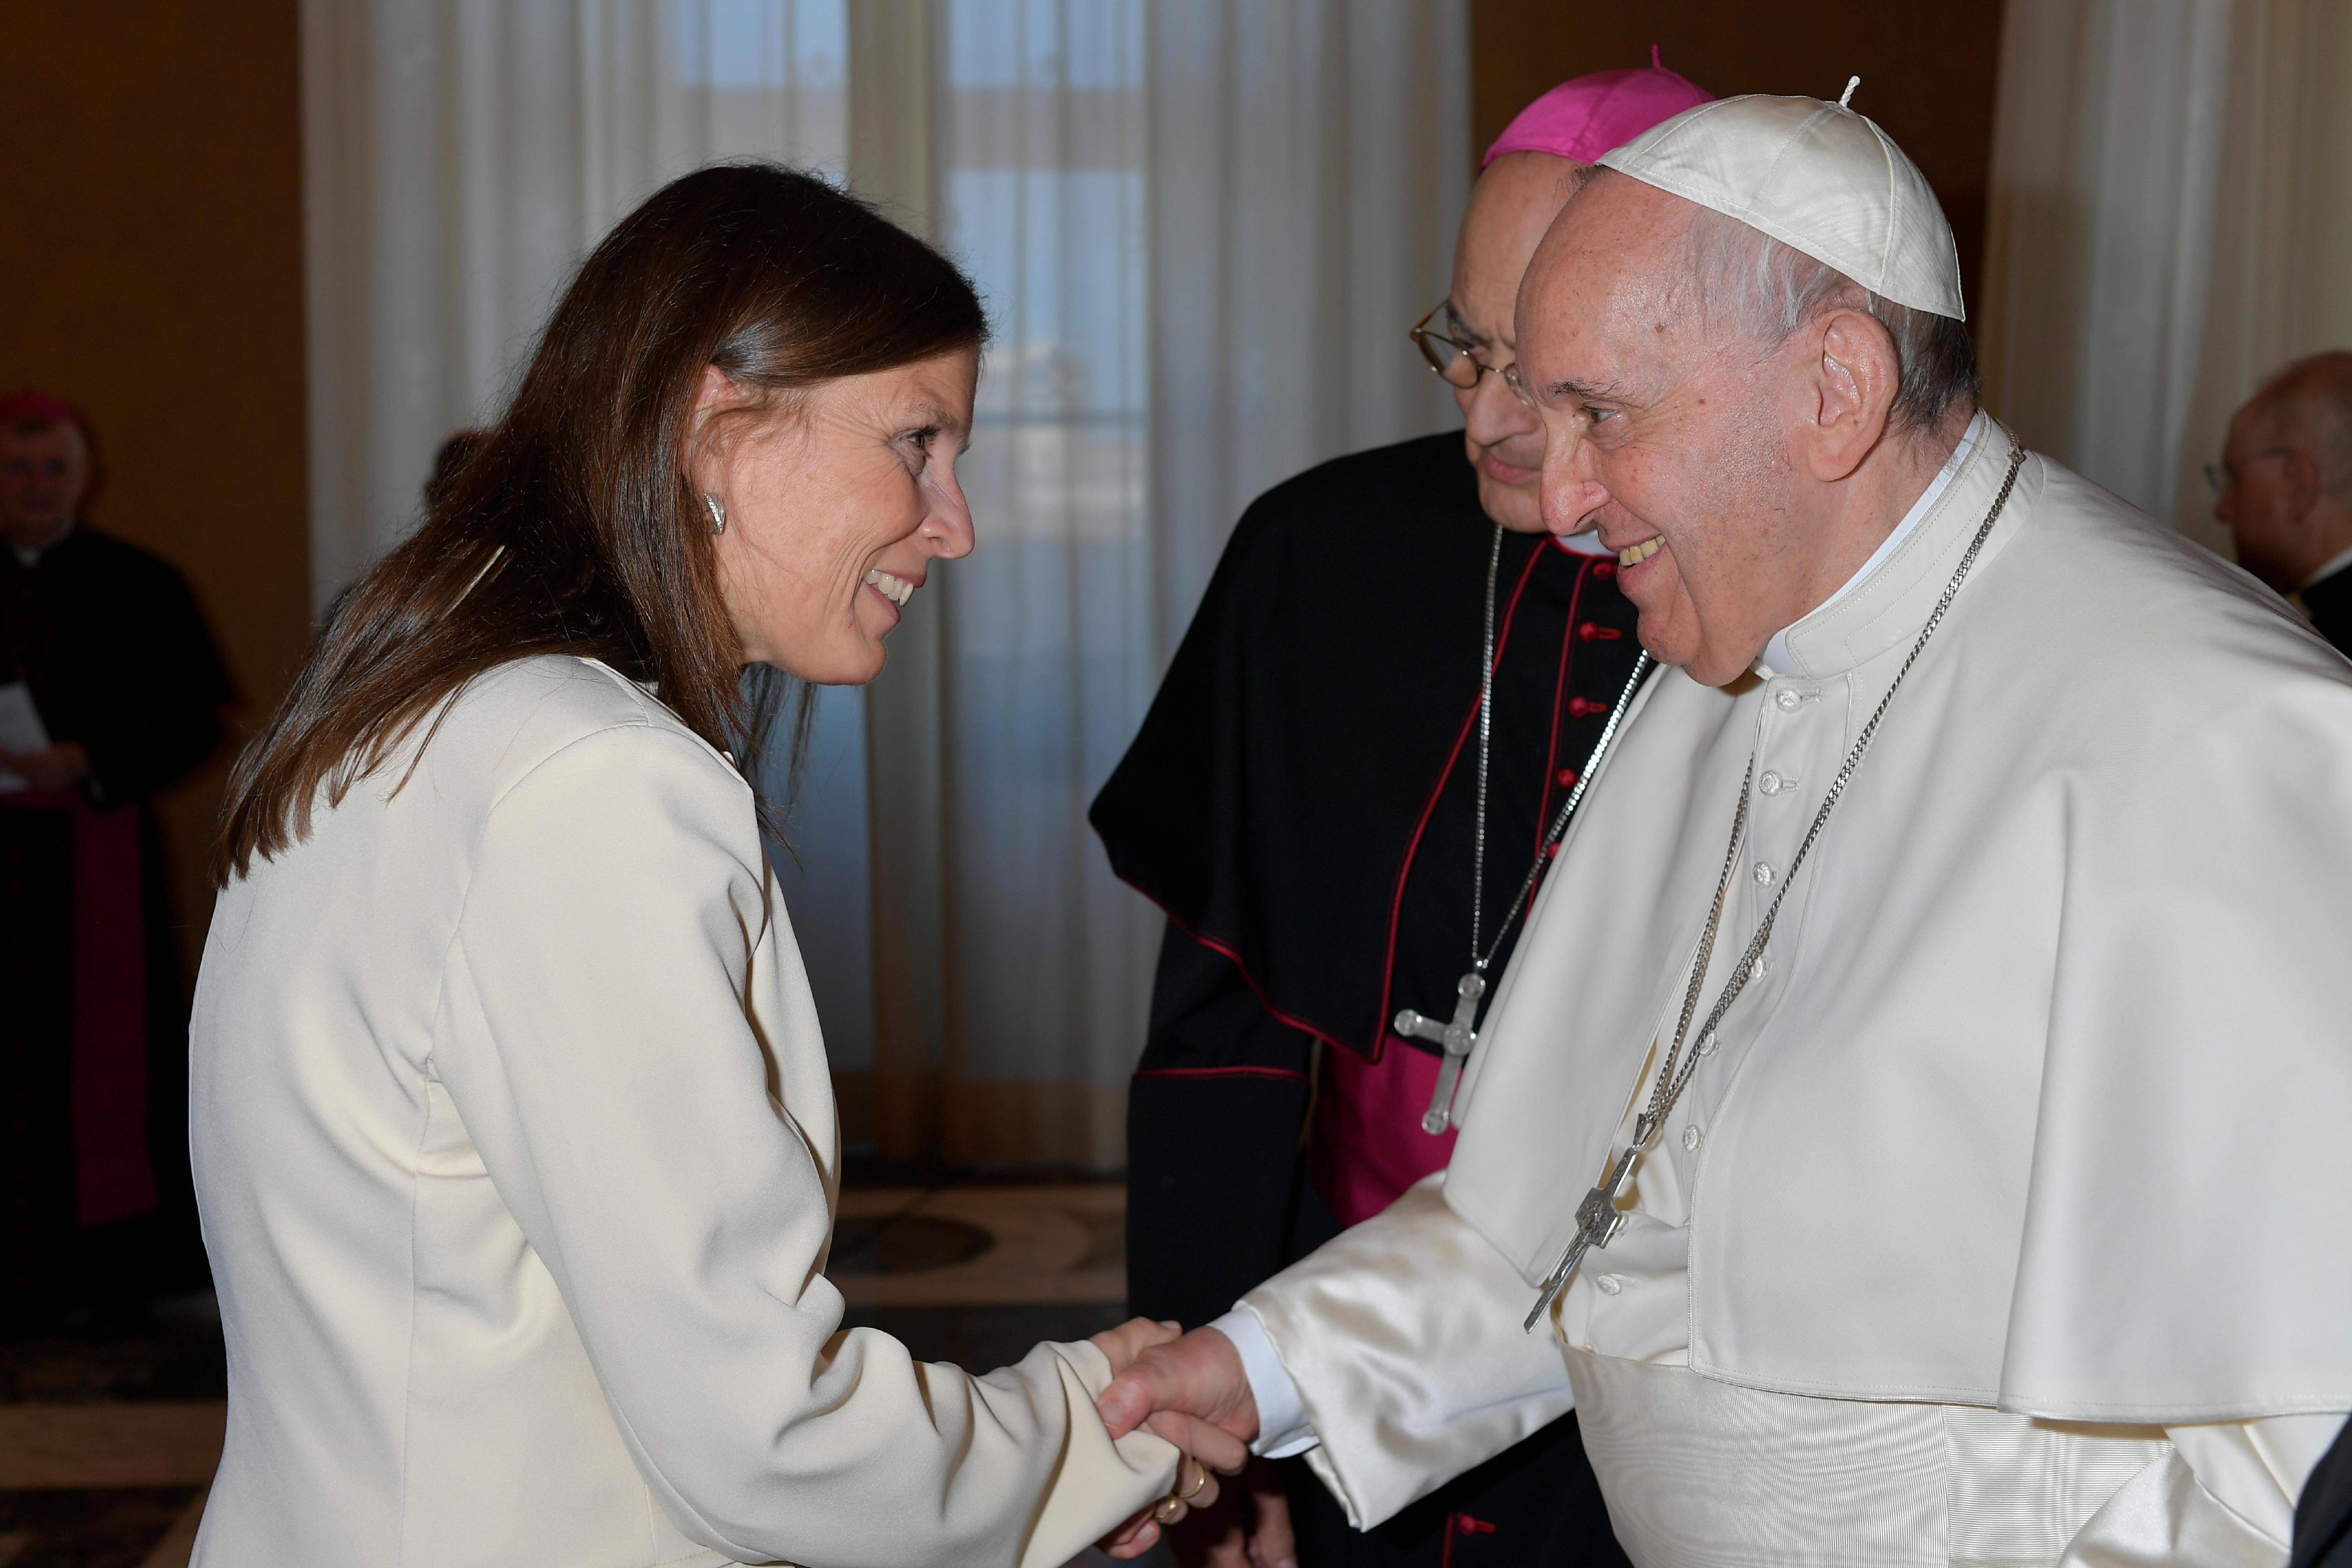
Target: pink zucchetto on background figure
<point>1585,118</point>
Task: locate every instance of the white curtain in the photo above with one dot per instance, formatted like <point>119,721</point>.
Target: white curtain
<point>1201,227</point>
<point>2171,220</point>
<point>1310,165</point>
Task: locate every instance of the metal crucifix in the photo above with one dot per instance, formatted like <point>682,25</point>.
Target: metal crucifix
<point>1598,1219</point>
<point>1457,1037</point>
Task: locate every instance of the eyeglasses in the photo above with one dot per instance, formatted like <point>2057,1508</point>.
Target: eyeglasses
<point>1519,388</point>
<point>1451,357</point>
<point>2223,477</point>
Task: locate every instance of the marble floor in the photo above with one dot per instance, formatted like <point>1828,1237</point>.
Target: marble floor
<point>109,1432</point>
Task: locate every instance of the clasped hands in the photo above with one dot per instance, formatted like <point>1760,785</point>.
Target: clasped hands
<point>1190,1389</point>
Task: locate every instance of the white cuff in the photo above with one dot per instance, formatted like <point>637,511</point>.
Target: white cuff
<point>1282,1426</point>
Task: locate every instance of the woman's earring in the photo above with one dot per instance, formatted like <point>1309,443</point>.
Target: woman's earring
<point>718,510</point>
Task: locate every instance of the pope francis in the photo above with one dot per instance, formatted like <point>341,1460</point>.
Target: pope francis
<point>1914,1126</point>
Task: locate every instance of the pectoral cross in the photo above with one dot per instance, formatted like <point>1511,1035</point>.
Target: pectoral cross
<point>1457,1037</point>
<point>1598,1219</point>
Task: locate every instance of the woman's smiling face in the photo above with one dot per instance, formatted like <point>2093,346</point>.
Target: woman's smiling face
<point>837,501</point>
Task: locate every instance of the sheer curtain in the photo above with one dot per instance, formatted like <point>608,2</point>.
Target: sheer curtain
<point>2171,220</point>
<point>1201,229</point>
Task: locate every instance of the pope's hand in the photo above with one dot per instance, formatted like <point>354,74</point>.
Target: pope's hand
<point>1189,1390</point>
<point>1204,1448</point>
<point>1198,1375</point>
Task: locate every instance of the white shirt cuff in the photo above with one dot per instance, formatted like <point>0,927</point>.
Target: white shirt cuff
<point>1282,1426</point>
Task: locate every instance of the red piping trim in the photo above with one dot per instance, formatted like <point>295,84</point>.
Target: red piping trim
<point>1282,1073</point>
<point>1558,691</point>
<point>1222,950</point>
<point>1412,845</point>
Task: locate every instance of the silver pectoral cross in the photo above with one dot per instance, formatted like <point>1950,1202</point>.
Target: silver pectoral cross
<point>1457,1037</point>
<point>1598,1219</point>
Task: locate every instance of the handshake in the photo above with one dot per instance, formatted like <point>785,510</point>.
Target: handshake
<point>1191,1389</point>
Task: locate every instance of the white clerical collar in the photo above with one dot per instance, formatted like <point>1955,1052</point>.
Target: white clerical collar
<point>1586,543</point>
<point>2329,567</point>
<point>1777,659</point>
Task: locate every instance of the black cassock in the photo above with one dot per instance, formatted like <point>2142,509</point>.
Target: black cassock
<point>1301,801</point>
<point>2323,1515</point>
<point>117,656</point>
<point>2330,603</point>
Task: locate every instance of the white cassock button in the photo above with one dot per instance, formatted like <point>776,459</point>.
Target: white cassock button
<point>1761,967</point>
<point>1763,875</point>
<point>1610,1284</point>
<point>1788,701</point>
<point>1690,1137</point>
<point>1769,784</point>
<point>1706,1043</point>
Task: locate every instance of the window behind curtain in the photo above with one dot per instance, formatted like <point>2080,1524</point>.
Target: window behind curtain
<point>1042,162</point>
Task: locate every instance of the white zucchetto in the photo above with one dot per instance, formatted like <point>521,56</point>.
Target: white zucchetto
<point>1814,175</point>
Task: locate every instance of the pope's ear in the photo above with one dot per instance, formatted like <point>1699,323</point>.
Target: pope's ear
<point>1857,378</point>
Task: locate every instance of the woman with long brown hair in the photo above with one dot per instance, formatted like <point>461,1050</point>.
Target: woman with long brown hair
<point>513,1132</point>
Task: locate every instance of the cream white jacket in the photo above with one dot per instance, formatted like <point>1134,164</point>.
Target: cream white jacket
<point>517,1153</point>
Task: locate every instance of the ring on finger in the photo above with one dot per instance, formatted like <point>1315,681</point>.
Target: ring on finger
<point>1198,1486</point>
<point>1170,1511</point>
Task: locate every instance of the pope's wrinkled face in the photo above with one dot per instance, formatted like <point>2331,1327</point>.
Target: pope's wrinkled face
<point>1669,433</point>
<point>43,474</point>
<point>837,502</point>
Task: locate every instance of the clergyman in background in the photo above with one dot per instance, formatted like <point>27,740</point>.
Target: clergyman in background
<point>2285,488</point>
<point>116,689</point>
<point>1343,823</point>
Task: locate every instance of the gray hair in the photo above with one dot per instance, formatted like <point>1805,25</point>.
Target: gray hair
<point>1769,290</point>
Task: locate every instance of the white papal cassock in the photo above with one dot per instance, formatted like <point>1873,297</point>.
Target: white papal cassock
<point>2010,1222</point>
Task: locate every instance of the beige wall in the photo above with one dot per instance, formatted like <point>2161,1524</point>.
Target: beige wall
<point>151,266</point>
<point>1928,71</point>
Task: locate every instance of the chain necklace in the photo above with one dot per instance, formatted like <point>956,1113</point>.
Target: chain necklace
<point>1598,1217</point>
<point>1458,1037</point>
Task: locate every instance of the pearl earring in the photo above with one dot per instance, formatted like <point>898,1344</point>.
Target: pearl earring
<point>718,510</point>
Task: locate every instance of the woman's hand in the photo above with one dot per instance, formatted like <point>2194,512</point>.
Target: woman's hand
<point>1202,1448</point>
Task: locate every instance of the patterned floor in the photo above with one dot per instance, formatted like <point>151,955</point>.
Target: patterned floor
<point>109,1432</point>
